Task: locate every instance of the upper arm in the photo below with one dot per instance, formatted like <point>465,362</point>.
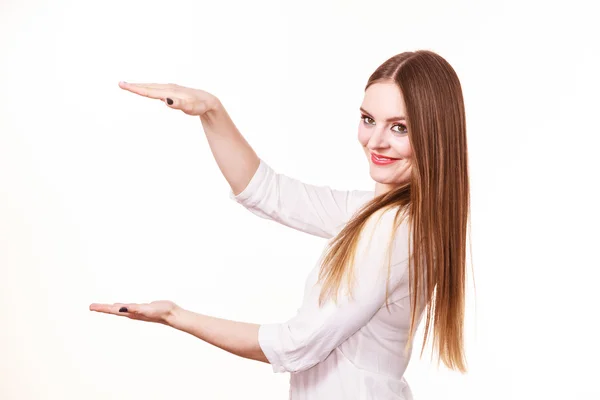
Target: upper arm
<point>314,331</point>
<point>314,209</point>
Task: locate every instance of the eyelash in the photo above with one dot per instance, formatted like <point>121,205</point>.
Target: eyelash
<point>402,126</point>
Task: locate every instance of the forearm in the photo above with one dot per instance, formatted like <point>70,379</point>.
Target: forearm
<point>234,156</point>
<point>239,338</point>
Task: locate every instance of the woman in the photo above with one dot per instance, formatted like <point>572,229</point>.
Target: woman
<point>393,254</point>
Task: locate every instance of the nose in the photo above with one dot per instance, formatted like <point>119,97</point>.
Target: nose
<point>378,139</point>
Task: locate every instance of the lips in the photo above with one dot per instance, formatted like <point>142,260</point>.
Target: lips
<point>382,160</point>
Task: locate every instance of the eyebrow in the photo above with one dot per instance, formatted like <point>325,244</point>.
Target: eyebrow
<point>391,119</point>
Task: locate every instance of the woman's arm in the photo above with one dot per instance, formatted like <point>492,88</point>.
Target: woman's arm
<point>236,159</point>
<point>239,338</point>
<point>317,210</point>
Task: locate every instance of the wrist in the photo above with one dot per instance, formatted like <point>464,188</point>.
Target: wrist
<point>173,317</point>
<point>214,110</point>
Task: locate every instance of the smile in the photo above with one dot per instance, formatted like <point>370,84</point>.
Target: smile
<point>381,160</point>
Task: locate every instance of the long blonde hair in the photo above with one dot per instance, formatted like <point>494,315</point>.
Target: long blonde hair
<point>436,201</point>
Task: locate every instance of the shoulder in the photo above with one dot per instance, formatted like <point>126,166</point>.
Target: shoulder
<point>357,199</point>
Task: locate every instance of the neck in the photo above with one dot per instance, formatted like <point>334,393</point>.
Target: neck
<point>381,188</point>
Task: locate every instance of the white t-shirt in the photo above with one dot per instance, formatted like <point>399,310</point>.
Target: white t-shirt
<point>355,349</point>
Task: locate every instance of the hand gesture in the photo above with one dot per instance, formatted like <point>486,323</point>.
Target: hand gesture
<point>190,101</point>
<point>157,311</point>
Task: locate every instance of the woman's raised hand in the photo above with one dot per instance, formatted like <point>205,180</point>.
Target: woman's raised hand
<point>190,101</point>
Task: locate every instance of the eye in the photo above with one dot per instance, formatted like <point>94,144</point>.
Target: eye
<point>402,127</point>
<point>367,120</point>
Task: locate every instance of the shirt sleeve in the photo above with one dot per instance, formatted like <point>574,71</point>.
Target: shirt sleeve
<point>317,210</point>
<point>309,337</point>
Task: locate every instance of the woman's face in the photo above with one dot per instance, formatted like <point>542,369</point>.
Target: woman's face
<point>383,134</point>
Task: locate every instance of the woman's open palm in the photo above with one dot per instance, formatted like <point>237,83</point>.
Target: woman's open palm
<point>156,311</point>
<point>190,101</point>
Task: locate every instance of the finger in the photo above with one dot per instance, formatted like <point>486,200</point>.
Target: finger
<point>149,85</point>
<point>135,311</point>
<point>172,102</point>
<point>116,308</point>
<point>153,91</point>
<point>160,91</point>
<point>105,308</point>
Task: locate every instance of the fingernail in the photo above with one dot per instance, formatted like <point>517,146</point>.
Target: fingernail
<point>169,101</point>
<point>123,309</point>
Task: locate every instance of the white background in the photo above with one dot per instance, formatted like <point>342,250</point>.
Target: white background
<point>106,196</point>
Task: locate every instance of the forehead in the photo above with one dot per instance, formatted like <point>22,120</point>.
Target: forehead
<point>383,99</point>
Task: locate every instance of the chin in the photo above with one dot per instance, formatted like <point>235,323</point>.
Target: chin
<point>381,176</point>
<point>385,179</point>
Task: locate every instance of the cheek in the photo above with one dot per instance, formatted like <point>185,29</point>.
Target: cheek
<point>402,148</point>
<point>363,135</point>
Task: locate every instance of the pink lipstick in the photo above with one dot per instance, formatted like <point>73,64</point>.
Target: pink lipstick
<point>382,160</point>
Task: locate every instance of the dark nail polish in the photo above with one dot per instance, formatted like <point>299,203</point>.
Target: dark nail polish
<point>123,309</point>
<point>169,101</point>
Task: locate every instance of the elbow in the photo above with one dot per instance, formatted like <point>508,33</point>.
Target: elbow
<point>291,354</point>
<point>298,359</point>
<point>303,356</point>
